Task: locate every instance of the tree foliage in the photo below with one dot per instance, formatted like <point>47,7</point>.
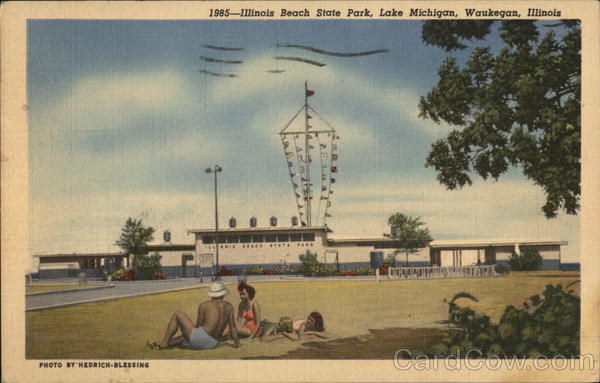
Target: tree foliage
<point>518,107</point>
<point>134,235</point>
<point>408,233</point>
<point>147,265</point>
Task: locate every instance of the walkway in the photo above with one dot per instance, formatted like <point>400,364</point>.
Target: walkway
<point>130,289</point>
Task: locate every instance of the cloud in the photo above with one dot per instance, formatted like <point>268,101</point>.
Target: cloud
<point>111,100</point>
<point>352,89</point>
<point>501,210</point>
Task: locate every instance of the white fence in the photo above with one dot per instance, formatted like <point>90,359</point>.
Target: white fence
<point>436,272</point>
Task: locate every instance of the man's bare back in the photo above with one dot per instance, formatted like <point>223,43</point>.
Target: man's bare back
<point>214,316</point>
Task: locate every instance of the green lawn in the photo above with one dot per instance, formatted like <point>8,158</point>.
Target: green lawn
<point>119,329</point>
<point>41,288</point>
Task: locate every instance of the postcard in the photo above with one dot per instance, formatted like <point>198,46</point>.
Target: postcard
<point>300,191</point>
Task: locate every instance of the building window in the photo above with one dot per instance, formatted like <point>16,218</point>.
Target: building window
<point>297,237</point>
<point>258,238</point>
<point>232,238</point>
<point>270,238</point>
<point>245,238</point>
<point>208,239</point>
<point>283,237</point>
<point>308,237</point>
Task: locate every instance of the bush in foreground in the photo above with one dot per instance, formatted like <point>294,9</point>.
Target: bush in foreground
<point>548,325</point>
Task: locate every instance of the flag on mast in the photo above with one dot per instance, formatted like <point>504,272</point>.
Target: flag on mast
<point>309,92</point>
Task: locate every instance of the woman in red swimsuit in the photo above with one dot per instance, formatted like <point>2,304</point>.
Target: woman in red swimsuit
<point>248,311</point>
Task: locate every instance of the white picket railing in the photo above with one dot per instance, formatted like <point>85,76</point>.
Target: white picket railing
<point>436,272</point>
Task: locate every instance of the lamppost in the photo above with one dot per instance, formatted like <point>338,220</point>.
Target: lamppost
<point>217,169</point>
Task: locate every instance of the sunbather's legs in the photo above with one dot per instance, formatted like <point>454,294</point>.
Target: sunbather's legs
<point>179,321</point>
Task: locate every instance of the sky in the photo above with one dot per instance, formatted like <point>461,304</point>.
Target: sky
<point>122,123</point>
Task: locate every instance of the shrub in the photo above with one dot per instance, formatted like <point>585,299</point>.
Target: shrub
<point>147,265</point>
<point>527,260</point>
<point>364,271</point>
<point>309,263</point>
<point>323,271</point>
<point>390,259</point>
<point>548,325</point>
<point>256,270</point>
<point>384,268</point>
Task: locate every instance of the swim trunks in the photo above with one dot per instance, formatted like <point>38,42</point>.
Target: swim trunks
<point>200,340</point>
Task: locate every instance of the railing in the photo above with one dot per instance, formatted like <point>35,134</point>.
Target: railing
<point>436,272</point>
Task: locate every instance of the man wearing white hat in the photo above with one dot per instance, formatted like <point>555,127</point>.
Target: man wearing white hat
<point>213,316</point>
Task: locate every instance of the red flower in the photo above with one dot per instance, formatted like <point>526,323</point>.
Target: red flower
<point>225,271</point>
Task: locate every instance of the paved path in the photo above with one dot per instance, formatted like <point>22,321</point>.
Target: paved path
<point>121,289</point>
<point>128,289</point>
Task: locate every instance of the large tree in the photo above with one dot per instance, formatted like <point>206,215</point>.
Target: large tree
<point>134,235</point>
<point>408,232</point>
<point>515,107</point>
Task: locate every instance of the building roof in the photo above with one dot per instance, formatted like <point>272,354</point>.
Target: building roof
<point>168,247</point>
<point>262,230</point>
<point>493,242</point>
<point>80,255</point>
<point>379,242</point>
<point>74,257</point>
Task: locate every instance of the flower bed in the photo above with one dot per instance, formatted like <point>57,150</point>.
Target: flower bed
<point>126,274</point>
<point>224,272</point>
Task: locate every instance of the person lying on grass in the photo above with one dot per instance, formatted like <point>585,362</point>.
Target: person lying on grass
<point>299,329</point>
<point>213,316</point>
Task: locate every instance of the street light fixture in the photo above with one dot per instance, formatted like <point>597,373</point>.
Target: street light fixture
<point>217,169</point>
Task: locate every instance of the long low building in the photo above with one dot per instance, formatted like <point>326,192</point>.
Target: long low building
<point>271,247</point>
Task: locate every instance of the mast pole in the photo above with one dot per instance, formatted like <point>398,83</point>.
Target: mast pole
<point>307,159</point>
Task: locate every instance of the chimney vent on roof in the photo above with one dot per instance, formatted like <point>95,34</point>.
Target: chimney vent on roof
<point>232,222</point>
<point>253,222</point>
<point>294,221</point>
<point>273,221</point>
